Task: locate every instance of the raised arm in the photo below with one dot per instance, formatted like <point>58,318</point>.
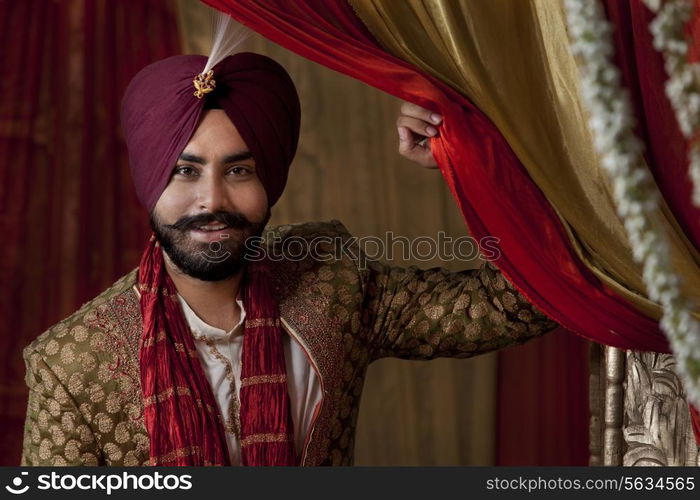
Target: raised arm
<point>422,314</point>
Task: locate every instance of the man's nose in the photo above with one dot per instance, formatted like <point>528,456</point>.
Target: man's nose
<point>212,196</point>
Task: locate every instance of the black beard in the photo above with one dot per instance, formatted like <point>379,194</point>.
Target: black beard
<point>213,261</point>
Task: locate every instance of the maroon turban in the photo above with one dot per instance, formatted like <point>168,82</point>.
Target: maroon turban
<point>160,113</point>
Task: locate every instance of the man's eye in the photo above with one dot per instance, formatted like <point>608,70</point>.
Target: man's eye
<point>239,171</point>
<point>186,171</point>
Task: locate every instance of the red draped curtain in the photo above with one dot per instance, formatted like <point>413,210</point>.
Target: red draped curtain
<point>70,220</point>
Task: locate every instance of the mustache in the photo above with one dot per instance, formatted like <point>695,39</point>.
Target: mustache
<point>231,219</point>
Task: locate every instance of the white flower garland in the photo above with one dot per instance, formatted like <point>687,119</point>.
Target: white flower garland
<point>682,89</point>
<point>634,190</point>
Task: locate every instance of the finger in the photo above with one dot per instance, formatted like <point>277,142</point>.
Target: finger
<point>408,146</point>
<point>410,142</point>
<point>416,126</point>
<point>415,111</point>
<point>406,142</point>
<point>412,151</point>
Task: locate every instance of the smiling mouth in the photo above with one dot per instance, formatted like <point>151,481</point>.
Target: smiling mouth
<point>210,228</point>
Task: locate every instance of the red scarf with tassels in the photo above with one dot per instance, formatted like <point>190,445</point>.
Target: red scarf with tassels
<point>181,415</point>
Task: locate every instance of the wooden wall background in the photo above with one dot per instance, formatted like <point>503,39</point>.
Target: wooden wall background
<point>412,413</point>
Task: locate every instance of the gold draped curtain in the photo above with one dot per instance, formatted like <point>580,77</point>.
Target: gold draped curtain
<point>512,59</point>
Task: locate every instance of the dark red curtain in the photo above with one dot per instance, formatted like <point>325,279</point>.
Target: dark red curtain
<point>69,217</point>
<point>542,401</point>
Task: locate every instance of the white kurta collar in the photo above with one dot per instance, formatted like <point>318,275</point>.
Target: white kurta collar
<point>200,328</point>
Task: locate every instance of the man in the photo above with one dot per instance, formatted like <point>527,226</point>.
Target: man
<point>220,348</point>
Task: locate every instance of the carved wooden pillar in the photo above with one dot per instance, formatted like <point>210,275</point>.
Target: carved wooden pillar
<point>639,414</point>
<point>658,428</point>
<point>614,396</point>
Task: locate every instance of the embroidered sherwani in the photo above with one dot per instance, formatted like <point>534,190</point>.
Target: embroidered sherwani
<point>85,405</point>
